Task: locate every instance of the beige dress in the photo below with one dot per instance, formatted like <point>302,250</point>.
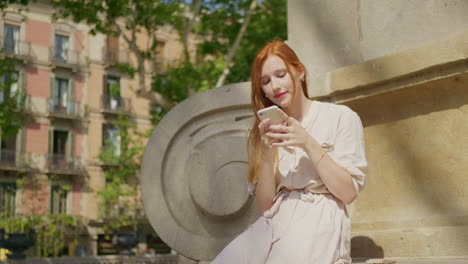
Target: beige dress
<point>307,224</point>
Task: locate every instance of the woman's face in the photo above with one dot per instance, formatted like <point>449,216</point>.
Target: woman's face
<point>277,83</point>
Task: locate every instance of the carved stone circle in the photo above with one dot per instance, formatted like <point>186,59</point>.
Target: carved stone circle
<point>193,175</point>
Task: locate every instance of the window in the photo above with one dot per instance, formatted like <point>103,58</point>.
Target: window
<point>11,39</point>
<point>160,55</point>
<point>61,47</point>
<point>9,86</point>
<point>111,140</point>
<point>60,142</point>
<point>58,199</point>
<point>112,93</point>
<point>60,94</point>
<point>112,48</point>
<point>59,149</point>
<point>7,198</point>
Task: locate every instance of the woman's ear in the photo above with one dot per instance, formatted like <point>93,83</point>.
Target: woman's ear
<point>301,73</point>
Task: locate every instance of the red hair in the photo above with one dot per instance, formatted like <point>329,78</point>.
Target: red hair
<point>259,101</point>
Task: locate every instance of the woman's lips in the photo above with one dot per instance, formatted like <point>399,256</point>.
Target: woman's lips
<point>280,94</point>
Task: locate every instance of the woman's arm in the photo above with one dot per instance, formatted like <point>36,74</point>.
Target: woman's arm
<point>266,186</point>
<point>337,179</point>
<point>348,155</point>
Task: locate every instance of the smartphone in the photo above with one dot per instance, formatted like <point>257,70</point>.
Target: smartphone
<point>272,113</point>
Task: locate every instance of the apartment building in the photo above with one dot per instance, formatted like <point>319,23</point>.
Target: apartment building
<point>74,94</point>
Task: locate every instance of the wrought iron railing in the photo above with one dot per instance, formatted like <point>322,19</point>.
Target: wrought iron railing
<point>57,161</point>
<point>8,157</point>
<point>13,159</point>
<point>65,58</point>
<point>115,104</point>
<point>112,56</point>
<point>69,108</point>
<point>15,48</point>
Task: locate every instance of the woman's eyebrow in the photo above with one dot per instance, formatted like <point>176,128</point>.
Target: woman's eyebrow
<point>276,71</point>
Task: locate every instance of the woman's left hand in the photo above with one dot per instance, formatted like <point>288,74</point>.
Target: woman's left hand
<point>290,132</point>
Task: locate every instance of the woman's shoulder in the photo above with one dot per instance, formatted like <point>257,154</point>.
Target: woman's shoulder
<point>335,109</point>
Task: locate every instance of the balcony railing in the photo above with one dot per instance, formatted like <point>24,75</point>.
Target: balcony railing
<point>12,159</point>
<point>18,49</point>
<point>7,157</point>
<point>67,109</point>
<point>64,58</point>
<point>115,104</point>
<point>111,56</point>
<point>56,161</point>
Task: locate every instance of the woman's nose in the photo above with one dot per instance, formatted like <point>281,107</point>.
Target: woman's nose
<point>275,84</point>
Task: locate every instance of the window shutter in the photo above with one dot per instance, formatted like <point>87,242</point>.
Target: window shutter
<point>64,91</point>
<point>105,91</point>
<point>21,85</point>
<point>52,93</point>
<point>23,140</point>
<point>72,143</point>
<point>103,136</point>
<point>71,107</point>
<point>51,140</point>
<point>22,82</point>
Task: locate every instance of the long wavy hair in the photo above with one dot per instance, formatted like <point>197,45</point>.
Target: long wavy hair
<point>260,101</point>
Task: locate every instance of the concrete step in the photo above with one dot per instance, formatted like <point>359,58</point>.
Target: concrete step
<point>451,260</point>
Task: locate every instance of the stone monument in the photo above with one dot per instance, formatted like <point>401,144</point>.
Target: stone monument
<point>402,66</point>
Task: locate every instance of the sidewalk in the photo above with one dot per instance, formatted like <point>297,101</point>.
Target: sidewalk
<point>454,260</point>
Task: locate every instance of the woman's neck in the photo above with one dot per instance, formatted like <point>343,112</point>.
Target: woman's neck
<point>299,108</point>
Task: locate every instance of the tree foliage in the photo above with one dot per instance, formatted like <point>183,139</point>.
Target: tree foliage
<point>119,199</point>
<point>12,104</point>
<point>216,27</point>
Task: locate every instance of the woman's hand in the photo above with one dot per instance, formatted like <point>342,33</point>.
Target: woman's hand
<point>289,133</point>
<point>263,128</point>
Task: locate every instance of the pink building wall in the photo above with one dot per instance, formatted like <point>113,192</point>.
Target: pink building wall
<point>35,197</point>
<point>76,200</point>
<point>78,88</point>
<point>78,142</point>
<point>37,136</point>
<point>79,41</point>
<point>38,33</point>
<point>38,82</point>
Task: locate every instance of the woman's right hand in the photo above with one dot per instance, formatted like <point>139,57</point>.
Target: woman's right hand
<point>263,127</point>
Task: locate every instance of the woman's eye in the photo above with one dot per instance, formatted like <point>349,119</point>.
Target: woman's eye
<point>265,82</point>
<point>281,75</point>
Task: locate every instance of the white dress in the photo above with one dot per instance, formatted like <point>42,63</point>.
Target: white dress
<point>307,224</point>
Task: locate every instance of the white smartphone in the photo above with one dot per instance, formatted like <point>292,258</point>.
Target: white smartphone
<point>272,113</point>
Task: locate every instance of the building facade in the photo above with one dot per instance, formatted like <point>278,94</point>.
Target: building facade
<point>73,94</point>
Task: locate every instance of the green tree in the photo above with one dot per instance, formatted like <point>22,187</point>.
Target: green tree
<point>120,203</point>
<point>229,33</point>
<point>12,101</point>
<point>54,232</point>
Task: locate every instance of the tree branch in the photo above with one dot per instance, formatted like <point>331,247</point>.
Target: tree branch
<point>235,46</point>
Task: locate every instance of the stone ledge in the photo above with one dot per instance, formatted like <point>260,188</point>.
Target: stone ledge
<point>434,60</point>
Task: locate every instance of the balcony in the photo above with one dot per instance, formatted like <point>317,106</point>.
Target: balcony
<point>115,104</point>
<point>69,110</point>
<point>63,164</point>
<point>112,57</point>
<point>69,59</point>
<point>16,50</point>
<point>12,160</point>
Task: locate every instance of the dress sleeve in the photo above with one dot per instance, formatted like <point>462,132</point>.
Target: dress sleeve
<point>251,188</point>
<point>349,150</point>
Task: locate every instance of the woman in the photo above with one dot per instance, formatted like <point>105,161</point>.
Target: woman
<point>302,172</point>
